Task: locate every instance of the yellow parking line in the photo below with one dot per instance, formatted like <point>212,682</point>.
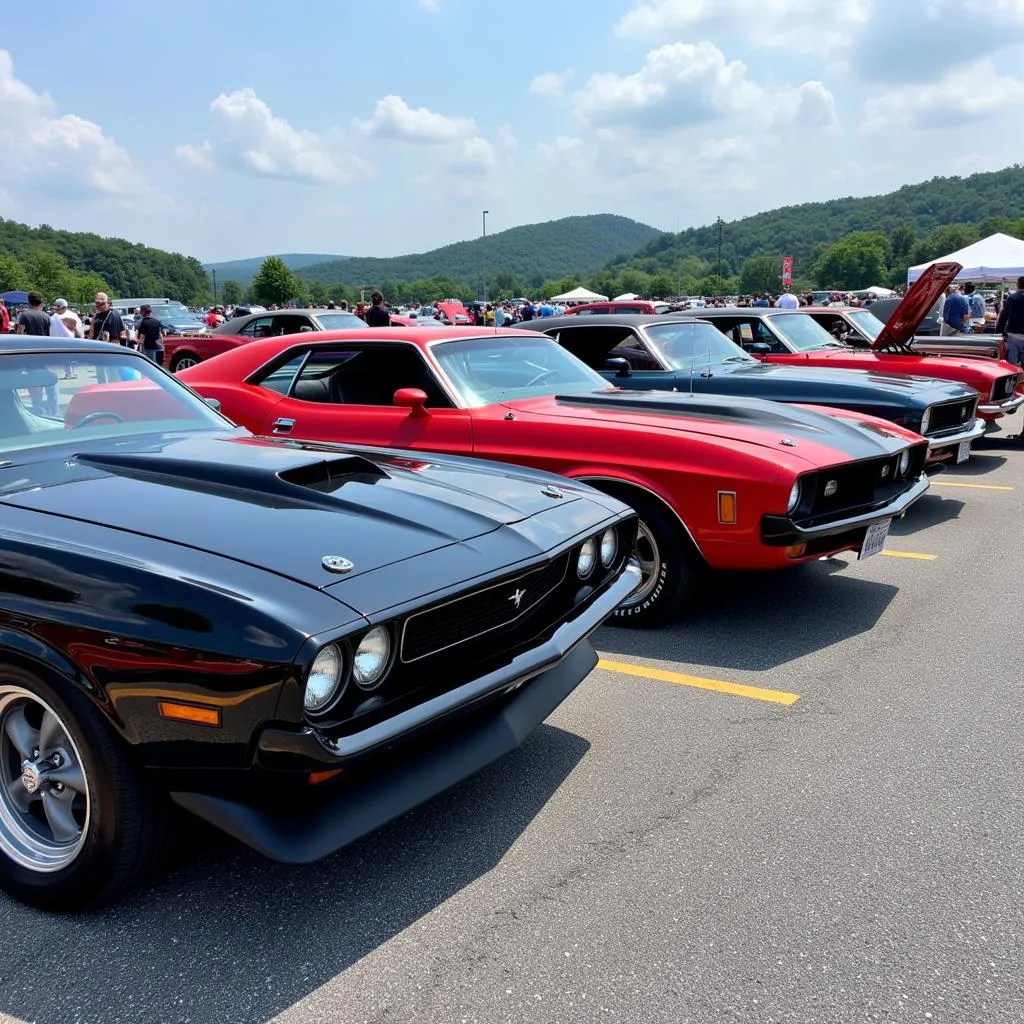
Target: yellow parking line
<point>734,689</point>
<point>911,554</point>
<point>972,487</point>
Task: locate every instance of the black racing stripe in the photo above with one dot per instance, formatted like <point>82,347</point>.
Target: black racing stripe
<point>855,440</point>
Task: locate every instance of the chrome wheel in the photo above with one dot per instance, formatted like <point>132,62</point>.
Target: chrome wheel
<point>185,362</point>
<point>649,556</point>
<point>44,792</point>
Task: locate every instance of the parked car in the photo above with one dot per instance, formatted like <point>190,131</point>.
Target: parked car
<point>734,484</point>
<point>619,308</point>
<point>670,353</point>
<point>283,639</point>
<point>860,327</point>
<point>183,351</point>
<point>794,338</point>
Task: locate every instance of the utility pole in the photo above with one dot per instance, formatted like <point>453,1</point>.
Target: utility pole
<point>214,272</point>
<point>483,258</point>
<point>720,223</point>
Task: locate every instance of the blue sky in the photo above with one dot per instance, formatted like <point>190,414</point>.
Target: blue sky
<point>262,127</point>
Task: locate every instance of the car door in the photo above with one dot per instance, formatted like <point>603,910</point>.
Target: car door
<point>596,344</point>
<point>345,392</point>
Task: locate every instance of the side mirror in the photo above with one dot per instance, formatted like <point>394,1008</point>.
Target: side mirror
<point>412,399</point>
<point>213,403</point>
<point>620,366</point>
<point>760,349</point>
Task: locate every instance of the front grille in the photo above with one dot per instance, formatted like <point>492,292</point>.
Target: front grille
<point>479,612</point>
<point>951,416</point>
<point>1004,387</point>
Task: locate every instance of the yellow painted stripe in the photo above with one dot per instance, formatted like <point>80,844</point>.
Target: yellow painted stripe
<point>716,685</point>
<point>972,487</point>
<point>910,554</point>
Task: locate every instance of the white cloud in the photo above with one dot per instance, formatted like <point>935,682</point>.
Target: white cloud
<point>430,5</point>
<point>393,118</point>
<point>64,155</point>
<point>551,83</point>
<point>811,106</point>
<point>722,151</point>
<point>965,94</point>
<point>250,138</point>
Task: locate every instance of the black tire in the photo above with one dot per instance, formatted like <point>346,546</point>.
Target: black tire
<point>678,567</point>
<point>180,358</point>
<point>125,826</point>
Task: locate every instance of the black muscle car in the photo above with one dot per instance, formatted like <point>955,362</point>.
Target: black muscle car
<point>296,642</point>
<point>687,353</point>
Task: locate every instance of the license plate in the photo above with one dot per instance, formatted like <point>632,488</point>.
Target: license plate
<point>963,452</point>
<point>874,539</point>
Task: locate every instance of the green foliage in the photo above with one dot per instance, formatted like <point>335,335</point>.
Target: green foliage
<point>761,274</point>
<point>274,283</point>
<point>125,268</point>
<point>13,276</point>
<point>243,271</point>
<point>230,293</point>
<point>857,261</point>
<point>534,252</point>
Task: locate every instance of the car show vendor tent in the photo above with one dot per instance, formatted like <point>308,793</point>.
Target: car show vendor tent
<point>579,295</point>
<point>996,258</point>
<point>14,298</point>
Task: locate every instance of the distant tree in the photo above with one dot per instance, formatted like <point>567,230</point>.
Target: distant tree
<point>231,293</point>
<point>761,274</point>
<point>48,273</point>
<point>663,285</point>
<point>856,261</point>
<point>274,283</point>
<point>13,276</point>
<point>943,241</point>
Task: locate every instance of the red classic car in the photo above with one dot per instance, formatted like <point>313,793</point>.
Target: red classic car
<point>184,350</point>
<point>601,308</point>
<point>730,483</point>
<point>795,338</point>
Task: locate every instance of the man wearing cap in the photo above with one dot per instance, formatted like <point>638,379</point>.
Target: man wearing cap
<point>150,334</point>
<point>64,323</point>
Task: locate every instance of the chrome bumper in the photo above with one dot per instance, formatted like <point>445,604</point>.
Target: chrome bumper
<point>1007,408</point>
<point>972,433</point>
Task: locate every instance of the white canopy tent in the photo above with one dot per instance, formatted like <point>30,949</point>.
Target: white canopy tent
<point>579,295</point>
<point>996,258</point>
<point>628,297</point>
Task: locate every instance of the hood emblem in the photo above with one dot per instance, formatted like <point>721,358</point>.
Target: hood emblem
<point>831,487</point>
<point>517,598</point>
<point>788,442</point>
<point>885,472</point>
<point>552,492</point>
<point>335,563</point>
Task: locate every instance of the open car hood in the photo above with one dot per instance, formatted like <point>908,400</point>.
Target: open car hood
<point>915,305</point>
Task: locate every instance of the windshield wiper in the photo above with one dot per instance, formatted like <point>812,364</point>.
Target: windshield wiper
<point>739,359</point>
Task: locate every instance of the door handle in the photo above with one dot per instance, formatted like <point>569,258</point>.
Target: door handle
<point>283,426</point>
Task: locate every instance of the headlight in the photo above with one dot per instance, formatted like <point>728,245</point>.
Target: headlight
<point>794,497</point>
<point>371,658</point>
<point>926,420</point>
<point>588,556</point>
<point>609,547</point>
<point>904,462</point>
<point>324,678</point>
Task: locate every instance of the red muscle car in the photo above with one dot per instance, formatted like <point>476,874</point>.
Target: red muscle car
<point>722,482</point>
<point>795,338</point>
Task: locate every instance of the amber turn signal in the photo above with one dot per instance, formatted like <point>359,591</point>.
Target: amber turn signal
<point>796,551</point>
<point>193,713</point>
<point>315,778</point>
<point>727,507</point>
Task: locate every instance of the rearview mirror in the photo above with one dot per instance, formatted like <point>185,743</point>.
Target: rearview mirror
<point>760,349</point>
<point>412,399</point>
<point>620,366</point>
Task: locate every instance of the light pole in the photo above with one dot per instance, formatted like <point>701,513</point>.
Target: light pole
<point>214,272</point>
<point>720,224</point>
<point>483,258</point>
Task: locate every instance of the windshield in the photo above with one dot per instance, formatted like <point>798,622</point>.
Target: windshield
<point>173,312</point>
<point>502,367</point>
<point>50,399</point>
<point>340,321</point>
<point>686,346</point>
<point>803,332</point>
<point>869,324</point>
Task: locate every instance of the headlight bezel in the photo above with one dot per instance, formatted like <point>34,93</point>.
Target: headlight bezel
<point>373,682</point>
<point>613,535</point>
<point>592,544</point>
<point>926,420</point>
<point>795,494</point>
<point>903,466</point>
<point>338,686</point>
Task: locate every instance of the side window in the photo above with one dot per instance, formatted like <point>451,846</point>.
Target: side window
<point>258,327</point>
<point>281,378</point>
<point>366,375</point>
<point>289,323</point>
<point>596,345</point>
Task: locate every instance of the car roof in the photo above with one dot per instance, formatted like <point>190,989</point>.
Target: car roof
<point>608,319</point>
<point>28,344</point>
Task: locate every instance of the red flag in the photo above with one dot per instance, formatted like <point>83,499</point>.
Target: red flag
<point>787,269</point>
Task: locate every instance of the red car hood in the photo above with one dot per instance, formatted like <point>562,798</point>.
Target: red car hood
<point>915,305</point>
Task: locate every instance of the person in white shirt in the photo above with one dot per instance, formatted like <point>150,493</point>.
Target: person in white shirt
<point>787,300</point>
<point>64,323</point>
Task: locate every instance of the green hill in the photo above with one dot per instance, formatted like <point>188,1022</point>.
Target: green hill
<point>80,263</point>
<point>917,222</point>
<point>243,271</point>
<point>573,245</point>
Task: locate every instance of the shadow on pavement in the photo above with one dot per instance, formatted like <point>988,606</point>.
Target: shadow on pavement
<point>758,621</point>
<point>931,510</point>
<point>978,464</point>
<point>230,937</point>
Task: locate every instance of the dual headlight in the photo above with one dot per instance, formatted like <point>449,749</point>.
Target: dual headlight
<point>604,547</point>
<point>904,463</point>
<point>794,498</point>
<point>329,672</point>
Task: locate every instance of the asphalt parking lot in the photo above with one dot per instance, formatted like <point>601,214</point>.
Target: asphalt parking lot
<point>801,804</point>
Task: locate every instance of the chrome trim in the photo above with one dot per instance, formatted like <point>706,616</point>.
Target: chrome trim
<point>520,670</point>
<point>1011,405</point>
<point>895,508</point>
<point>972,433</point>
